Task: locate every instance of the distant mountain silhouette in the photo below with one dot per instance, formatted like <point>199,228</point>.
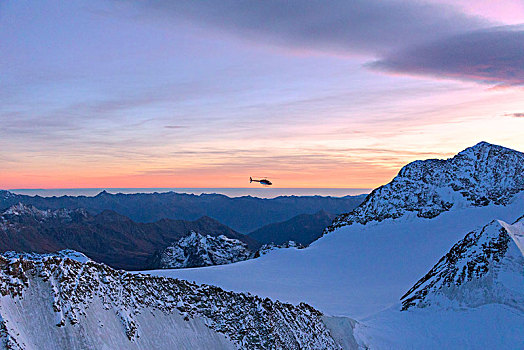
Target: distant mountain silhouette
<point>107,237</point>
<point>303,229</point>
<point>243,214</point>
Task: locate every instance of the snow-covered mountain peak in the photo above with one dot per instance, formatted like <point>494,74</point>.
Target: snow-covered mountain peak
<point>485,267</point>
<point>20,209</point>
<point>478,176</point>
<point>195,250</point>
<point>482,150</point>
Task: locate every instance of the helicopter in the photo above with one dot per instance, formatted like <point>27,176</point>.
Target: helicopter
<point>264,182</point>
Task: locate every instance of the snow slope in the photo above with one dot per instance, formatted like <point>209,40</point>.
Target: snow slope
<point>100,327</point>
<point>516,232</point>
<point>490,326</point>
<point>365,265</point>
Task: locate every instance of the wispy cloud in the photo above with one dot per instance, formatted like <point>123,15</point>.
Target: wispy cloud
<point>175,126</point>
<point>515,115</point>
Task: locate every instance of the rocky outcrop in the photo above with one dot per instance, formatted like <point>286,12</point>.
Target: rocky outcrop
<point>266,248</point>
<point>196,250</point>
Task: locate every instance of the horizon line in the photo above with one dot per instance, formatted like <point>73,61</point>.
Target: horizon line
<point>151,188</point>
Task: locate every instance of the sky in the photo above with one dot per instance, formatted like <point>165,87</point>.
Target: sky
<point>116,93</point>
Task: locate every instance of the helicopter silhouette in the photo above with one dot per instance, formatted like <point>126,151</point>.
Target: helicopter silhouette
<point>264,182</point>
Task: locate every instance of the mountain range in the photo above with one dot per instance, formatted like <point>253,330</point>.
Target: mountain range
<point>242,214</point>
<point>120,242</point>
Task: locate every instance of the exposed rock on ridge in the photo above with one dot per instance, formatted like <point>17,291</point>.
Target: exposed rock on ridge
<point>266,248</point>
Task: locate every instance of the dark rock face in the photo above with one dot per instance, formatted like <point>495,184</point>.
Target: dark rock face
<point>266,248</point>
<point>243,214</point>
<point>303,229</point>
<point>249,321</point>
<point>108,237</point>
<point>478,176</point>
<point>484,267</point>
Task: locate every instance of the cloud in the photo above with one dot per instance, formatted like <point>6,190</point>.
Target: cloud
<point>407,37</point>
<point>494,56</point>
<point>515,115</point>
<point>175,126</point>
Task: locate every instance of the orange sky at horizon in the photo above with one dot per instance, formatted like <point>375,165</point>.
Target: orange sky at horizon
<point>196,180</point>
<point>329,160</point>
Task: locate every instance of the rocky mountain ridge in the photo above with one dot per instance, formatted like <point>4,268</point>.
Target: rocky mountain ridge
<point>478,176</point>
<point>21,213</point>
<point>73,289</point>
